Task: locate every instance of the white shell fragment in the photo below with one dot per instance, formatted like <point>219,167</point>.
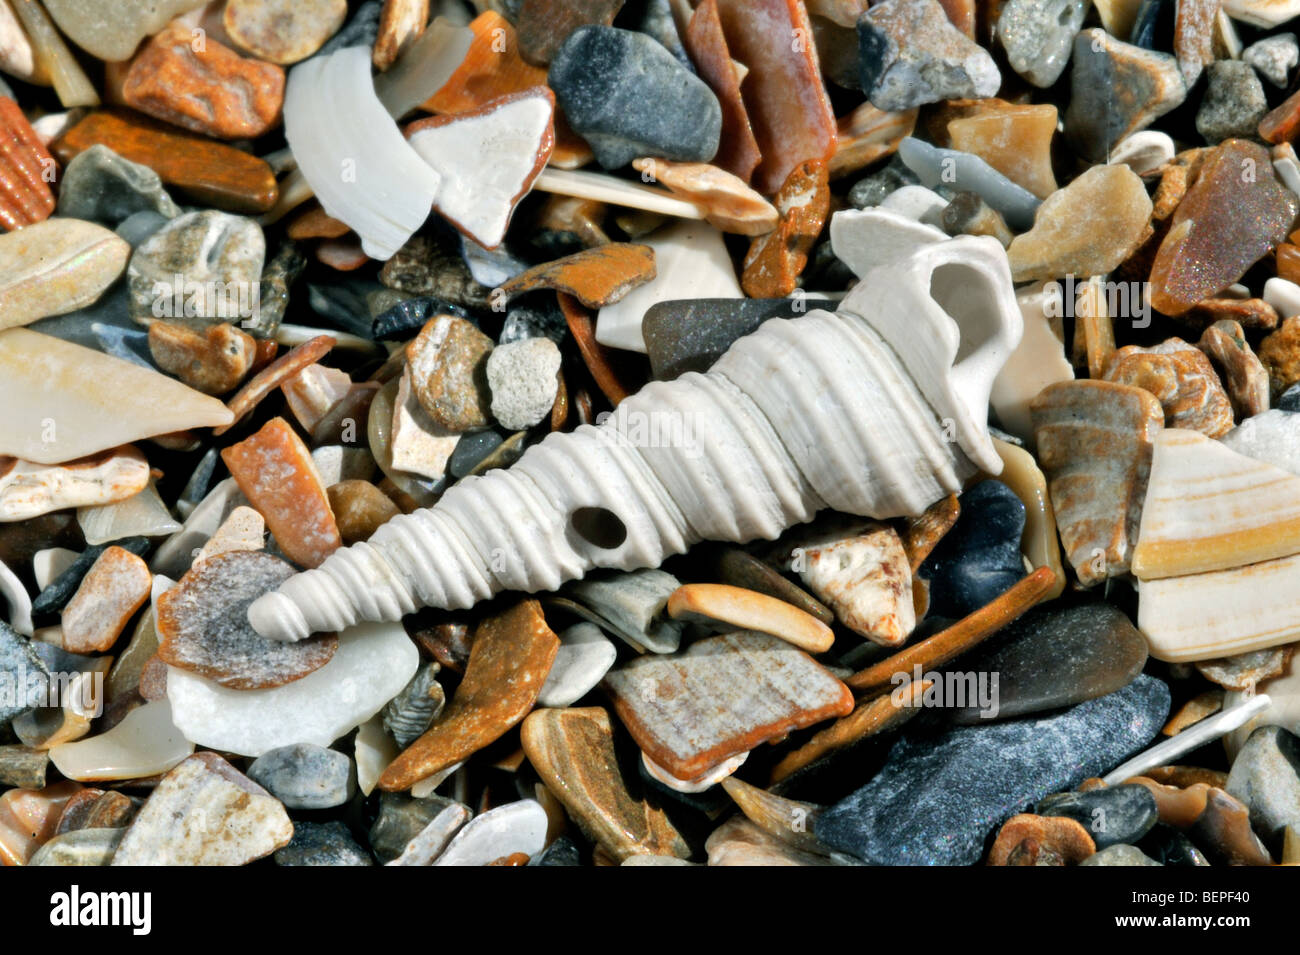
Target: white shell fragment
<point>584,657</point>
<point>515,827</point>
<point>141,515</point>
<point>1144,150</point>
<point>700,783</point>
<point>352,154</point>
<point>372,664</point>
<point>864,239</point>
<point>62,401</point>
<point>145,743</point>
<point>601,187</point>
<point>878,410</point>
<point>19,601</point>
<point>29,490</point>
<point>1038,361</point>
<point>691,261</point>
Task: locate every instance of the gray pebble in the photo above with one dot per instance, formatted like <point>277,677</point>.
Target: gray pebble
<point>968,173</point>
<point>101,186</point>
<point>1274,57</point>
<point>1233,104</point>
<point>305,776</point>
<point>1038,35</point>
<point>322,843</point>
<point>1120,855</point>
<point>1266,777</point>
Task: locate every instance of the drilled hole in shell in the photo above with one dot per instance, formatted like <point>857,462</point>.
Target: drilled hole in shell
<point>599,527</point>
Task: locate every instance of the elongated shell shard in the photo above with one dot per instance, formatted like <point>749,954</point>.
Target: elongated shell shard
<point>878,414</point>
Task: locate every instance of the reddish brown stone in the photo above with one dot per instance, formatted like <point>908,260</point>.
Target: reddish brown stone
<point>26,169</point>
<point>738,151</point>
<point>210,90</point>
<point>213,361</point>
<point>595,277</point>
<point>115,587</point>
<point>1288,262</point>
<point>274,469</point>
<point>1250,313</point>
<point>1282,124</point>
<point>1182,380</point>
<point>608,369</point>
<point>1280,353</point>
<point>317,224</point>
<point>776,260</point>
<point>359,509</point>
<point>544,25</point>
<point>508,665</point>
<point>342,255</point>
<point>210,172</point>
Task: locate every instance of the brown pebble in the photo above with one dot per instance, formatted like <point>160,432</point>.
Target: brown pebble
<point>1280,353</point>
<point>1041,840</point>
<point>1254,314</point>
<point>115,587</point>
<point>775,261</point>
<point>213,361</point>
<point>359,509</point>
<point>1244,376</point>
<point>1182,380</point>
<point>448,368</point>
<point>283,31</point>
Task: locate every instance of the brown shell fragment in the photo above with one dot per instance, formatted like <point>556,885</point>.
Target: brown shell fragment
<point>595,277</point>
<point>1182,380</point>
<point>213,361</point>
<point>607,367</point>
<point>920,534</point>
<point>273,375</point>
<point>775,261</point>
<point>1041,840</point>
<point>26,169</point>
<point>203,625</point>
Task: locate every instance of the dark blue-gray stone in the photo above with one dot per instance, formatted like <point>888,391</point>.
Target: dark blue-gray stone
<point>361,30</point>
<point>657,21</point>
<point>628,97</point>
<point>55,597</point>
<point>112,308</point>
<point>305,775</point>
<point>1153,27</point>
<point>937,798</point>
<point>691,334</point>
<point>20,665</point>
<point>1290,400</point>
<point>471,449</point>
<point>1054,657</point>
<point>1113,816</point>
<point>405,319</point>
<point>1266,777</point>
<point>128,344</point>
<point>278,276</point>
<point>979,557</point>
<point>872,190</point>
<point>560,852</point>
<point>342,304</point>
<point>1168,846</point>
<point>322,843</point>
<point>539,318</point>
<point>101,186</point>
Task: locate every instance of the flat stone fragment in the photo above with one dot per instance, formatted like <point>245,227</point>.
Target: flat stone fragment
<point>219,257</point>
<point>447,363</point>
<point>1052,657</point>
<point>733,607</point>
<point>584,657</point>
<point>1182,380</point>
<point>1087,228</point>
<point>29,818</point>
<point>1273,57</point>
<point>19,662</point>
<point>283,31</point>
<point>28,490</point>
<point>602,77</point>
<point>631,606</point>
<point>205,812</point>
<point>25,170</point>
<point>738,151</point>
<point>112,31</point>
<point>213,361</point>
<point>1194,22</point>
<point>203,625</point>
<point>865,578</point>
<point>911,54</point>
<point>722,697</point>
<point>1116,90</point>
<point>205,88</point>
<point>1094,444</point>
<point>322,843</point>
<point>275,471</point>
<point>573,751</point>
<point>1224,224</point>
<point>1242,671</point>
<point>775,261</point>
<point>55,267</point>
<point>937,797</point>
<point>80,847</point>
<point>23,767</point>
<point>145,743</point>
<point>211,172</point>
<point>1027,839</point>
<point>417,444</point>
<point>596,277</point>
<point>414,830</point>
<point>1038,36</point>
<point>1234,102</point>
<point>272,376</point>
<point>509,661</point>
<point>937,167</point>
<point>1223,829</point>
<point>115,587</point>
<point>407,716</point>
<point>867,135</point>
<point>374,660</point>
<point>1112,815</point>
<point>1243,375</point>
<point>305,776</point>
<point>784,96</point>
<point>1016,140</point>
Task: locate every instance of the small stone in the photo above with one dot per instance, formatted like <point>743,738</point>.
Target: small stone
<point>145,743</point>
<point>206,88</point>
<point>1015,140</point>
<point>204,812</point>
<point>783,92</point>
<point>511,656</point>
<point>523,382</point>
<point>740,842</point>
<point>872,190</point>
<point>359,509</point>
<point>1116,90</point>
<point>374,662</point>
<point>17,58</point>
<point>1243,374</point>
<point>980,557</point>
<point>29,818</point>
<point>1114,815</point>
<point>1280,354</point>
<point>1031,840</point>
<point>603,76</point>
<point>275,471</point>
<point>55,597</point>
<point>738,151</point>
<point>573,751</point>
<point>407,716</point>
<point>1038,36</point>
<point>866,135</point>
<point>55,267</point>
<point>22,767</point>
<point>28,490</point>
<point>1273,57</point>
<point>1054,657</point>
<point>213,173</point>
<point>80,847</point>
<point>911,54</point>
<point>203,625</point>
<point>283,31</point>
<point>937,797</point>
<point>1234,102</point>
<point>631,607</point>
<point>1242,671</point>
<point>1120,855</point>
<point>953,169</point>
<point>1094,444</point>
<point>1266,777</point>
<point>1224,224</point>
<point>218,256</point>
<point>1182,380</point>
<point>584,657</point>
<point>1223,829</point>
<point>25,169</point>
<point>101,186</point>
<point>305,776</point>
<point>414,830</point>
<point>113,33</point>
<point>1250,313</point>
<point>544,25</point>
<point>471,451</point>
<point>447,363</point>
<point>596,277</point>
<point>143,515</point>
<point>1194,41</point>
<point>671,704</point>
<point>775,261</point>
<point>213,361</point>
<point>322,843</point>
<point>19,662</point>
<point>314,391</point>
<point>115,587</point>
<point>417,444</point>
